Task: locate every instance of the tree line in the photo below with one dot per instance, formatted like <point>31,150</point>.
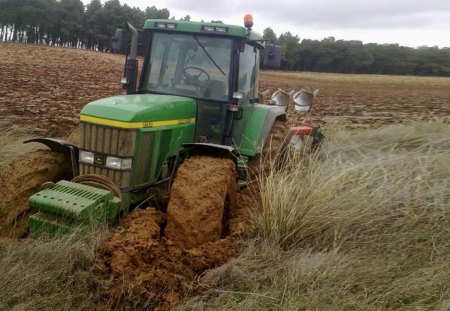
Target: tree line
<point>70,23</point>
<point>350,56</point>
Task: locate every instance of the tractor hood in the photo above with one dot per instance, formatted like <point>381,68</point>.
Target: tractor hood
<point>140,108</point>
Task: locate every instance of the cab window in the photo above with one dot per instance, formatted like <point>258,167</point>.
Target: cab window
<point>248,83</point>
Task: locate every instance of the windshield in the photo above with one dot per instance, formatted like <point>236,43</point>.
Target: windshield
<point>189,65</point>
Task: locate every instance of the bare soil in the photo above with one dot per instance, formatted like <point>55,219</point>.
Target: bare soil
<point>365,100</point>
<point>21,179</point>
<point>43,88</point>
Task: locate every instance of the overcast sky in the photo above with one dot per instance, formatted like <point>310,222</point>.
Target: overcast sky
<point>407,22</point>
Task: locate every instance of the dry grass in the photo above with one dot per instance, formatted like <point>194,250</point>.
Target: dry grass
<point>363,225</point>
<point>48,275</point>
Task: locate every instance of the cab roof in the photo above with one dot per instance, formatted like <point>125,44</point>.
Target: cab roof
<point>200,27</point>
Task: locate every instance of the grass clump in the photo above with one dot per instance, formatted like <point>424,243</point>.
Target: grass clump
<point>362,225</point>
<point>48,274</point>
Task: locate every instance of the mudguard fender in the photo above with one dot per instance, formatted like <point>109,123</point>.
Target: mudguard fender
<point>61,146</point>
<point>214,150</point>
<point>258,128</point>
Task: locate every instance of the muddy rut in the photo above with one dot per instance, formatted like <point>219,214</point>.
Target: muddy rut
<point>152,259</point>
<point>21,179</point>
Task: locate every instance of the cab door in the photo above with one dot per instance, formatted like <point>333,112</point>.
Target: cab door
<point>248,86</point>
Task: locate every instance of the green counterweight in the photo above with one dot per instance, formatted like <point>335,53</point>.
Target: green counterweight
<point>67,207</point>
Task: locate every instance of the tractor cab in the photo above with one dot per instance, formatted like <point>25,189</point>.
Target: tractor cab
<point>197,67</point>
<point>188,65</point>
<point>215,64</point>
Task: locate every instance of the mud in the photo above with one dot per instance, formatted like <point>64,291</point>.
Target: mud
<point>22,178</point>
<point>12,146</point>
<point>145,270</point>
<point>196,206</point>
<point>152,260</point>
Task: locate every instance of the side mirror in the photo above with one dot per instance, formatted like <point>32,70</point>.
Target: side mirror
<point>124,81</point>
<point>272,57</point>
<point>117,41</point>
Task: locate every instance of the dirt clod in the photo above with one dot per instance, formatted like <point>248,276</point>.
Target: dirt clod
<point>144,270</point>
<point>21,179</point>
<point>196,206</point>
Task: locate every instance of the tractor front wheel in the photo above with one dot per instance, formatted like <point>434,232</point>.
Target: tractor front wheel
<point>202,197</point>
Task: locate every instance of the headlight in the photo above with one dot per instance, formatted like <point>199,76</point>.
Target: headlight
<point>87,157</point>
<point>118,163</point>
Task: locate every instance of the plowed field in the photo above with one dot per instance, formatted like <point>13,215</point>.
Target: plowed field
<point>367,100</point>
<point>42,89</point>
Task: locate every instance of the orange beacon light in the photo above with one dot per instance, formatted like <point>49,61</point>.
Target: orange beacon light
<point>248,21</point>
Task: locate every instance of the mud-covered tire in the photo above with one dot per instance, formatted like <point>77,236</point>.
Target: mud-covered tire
<point>202,196</point>
<point>21,179</point>
<point>273,151</point>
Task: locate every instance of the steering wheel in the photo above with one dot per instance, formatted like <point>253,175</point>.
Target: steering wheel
<point>195,78</point>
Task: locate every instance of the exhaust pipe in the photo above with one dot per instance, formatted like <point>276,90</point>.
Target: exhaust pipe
<point>131,66</point>
<point>134,41</point>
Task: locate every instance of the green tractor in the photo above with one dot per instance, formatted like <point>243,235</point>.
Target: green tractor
<point>194,107</point>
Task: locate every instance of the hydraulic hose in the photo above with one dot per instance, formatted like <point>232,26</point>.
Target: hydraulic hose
<point>99,181</point>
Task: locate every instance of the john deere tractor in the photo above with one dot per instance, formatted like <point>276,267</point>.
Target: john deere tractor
<point>196,98</point>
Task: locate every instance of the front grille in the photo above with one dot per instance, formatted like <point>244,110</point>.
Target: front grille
<point>144,160</point>
<point>109,141</point>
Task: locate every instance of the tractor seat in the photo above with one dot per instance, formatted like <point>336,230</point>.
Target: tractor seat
<point>215,89</point>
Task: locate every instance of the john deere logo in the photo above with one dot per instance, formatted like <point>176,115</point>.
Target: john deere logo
<point>100,160</point>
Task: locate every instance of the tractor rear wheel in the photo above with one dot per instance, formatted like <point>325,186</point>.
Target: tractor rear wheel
<point>202,196</point>
<point>21,179</point>
<point>273,151</point>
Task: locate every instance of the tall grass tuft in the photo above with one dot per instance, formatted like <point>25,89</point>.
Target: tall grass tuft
<point>364,224</point>
<point>358,177</point>
<point>48,275</point>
